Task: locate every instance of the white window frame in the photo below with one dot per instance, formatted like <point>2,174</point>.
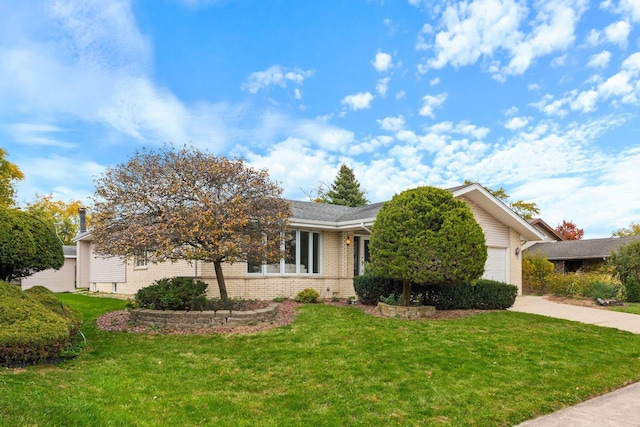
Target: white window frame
<point>140,261</point>
<point>264,270</point>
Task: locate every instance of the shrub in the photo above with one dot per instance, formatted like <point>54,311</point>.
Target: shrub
<point>535,271</point>
<point>47,298</point>
<point>483,294</point>
<point>370,289</point>
<point>602,290</point>
<point>307,296</point>
<point>177,293</point>
<point>584,285</point>
<point>626,265</point>
<point>29,330</point>
<point>425,236</point>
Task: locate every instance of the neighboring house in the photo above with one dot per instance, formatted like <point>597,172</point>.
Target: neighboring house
<point>63,280</point>
<point>328,244</point>
<point>550,235</point>
<point>570,256</point>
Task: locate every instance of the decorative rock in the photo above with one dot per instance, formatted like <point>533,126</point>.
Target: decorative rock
<point>406,312</point>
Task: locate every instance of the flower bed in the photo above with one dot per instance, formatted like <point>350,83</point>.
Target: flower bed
<point>202,319</point>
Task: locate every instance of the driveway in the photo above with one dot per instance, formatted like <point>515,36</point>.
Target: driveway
<point>593,316</point>
<point>618,408</point>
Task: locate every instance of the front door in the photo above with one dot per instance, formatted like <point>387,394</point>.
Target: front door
<point>360,254</point>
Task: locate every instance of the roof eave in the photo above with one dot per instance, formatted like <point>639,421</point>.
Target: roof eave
<point>485,200</point>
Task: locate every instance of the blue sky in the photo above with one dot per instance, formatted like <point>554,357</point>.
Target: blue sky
<point>541,98</point>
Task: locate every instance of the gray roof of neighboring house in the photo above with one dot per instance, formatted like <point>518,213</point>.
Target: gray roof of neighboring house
<point>581,249</point>
<point>69,251</point>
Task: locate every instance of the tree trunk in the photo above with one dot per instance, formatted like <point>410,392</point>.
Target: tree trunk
<point>220,278</point>
<point>406,292</point>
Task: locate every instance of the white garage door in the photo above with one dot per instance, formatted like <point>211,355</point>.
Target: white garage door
<point>496,265</point>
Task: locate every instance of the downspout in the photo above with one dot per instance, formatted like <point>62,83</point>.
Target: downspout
<point>365,228</point>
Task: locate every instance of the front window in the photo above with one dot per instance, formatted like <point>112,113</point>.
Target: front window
<point>140,260</point>
<point>302,255</point>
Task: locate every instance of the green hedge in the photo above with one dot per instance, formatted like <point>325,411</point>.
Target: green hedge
<point>370,289</point>
<point>484,294</point>
<point>177,293</point>
<point>30,331</point>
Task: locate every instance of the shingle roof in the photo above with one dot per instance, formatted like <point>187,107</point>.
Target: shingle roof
<point>581,249</point>
<point>331,213</point>
<point>69,251</point>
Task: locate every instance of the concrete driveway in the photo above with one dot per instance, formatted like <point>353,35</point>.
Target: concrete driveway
<point>618,408</point>
<point>593,316</point>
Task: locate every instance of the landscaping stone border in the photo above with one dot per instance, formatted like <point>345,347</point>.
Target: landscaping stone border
<point>406,312</point>
<point>202,319</point>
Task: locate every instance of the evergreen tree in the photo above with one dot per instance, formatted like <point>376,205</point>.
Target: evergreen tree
<point>344,191</point>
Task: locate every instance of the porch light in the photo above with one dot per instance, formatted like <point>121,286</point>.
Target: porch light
<point>517,251</point>
<point>348,241</point>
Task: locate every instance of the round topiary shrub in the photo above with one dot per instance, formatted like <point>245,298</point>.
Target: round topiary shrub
<point>29,330</point>
<point>426,237</point>
<point>307,296</point>
<point>176,293</point>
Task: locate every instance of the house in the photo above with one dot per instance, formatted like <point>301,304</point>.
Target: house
<point>550,234</point>
<point>328,245</point>
<point>569,256</point>
<point>62,280</point>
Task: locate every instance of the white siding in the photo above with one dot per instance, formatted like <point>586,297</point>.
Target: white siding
<point>496,266</point>
<point>107,270</point>
<point>63,280</point>
<point>495,233</point>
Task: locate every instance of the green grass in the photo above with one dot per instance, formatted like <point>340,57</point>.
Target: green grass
<point>630,307</point>
<point>332,366</point>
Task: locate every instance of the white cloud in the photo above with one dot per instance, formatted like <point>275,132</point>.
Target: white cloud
<point>599,60</point>
<point>392,124</point>
<point>484,28</point>
<point>275,75</point>
<point>429,102</point>
<point>585,101</point>
<point>618,33</point>
<point>516,123</point>
<point>382,62</point>
<point>400,94</point>
<point>359,101</point>
<point>382,86</point>
<point>434,82</point>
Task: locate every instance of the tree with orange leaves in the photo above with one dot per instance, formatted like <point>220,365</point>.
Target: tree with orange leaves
<point>569,231</point>
<point>185,204</point>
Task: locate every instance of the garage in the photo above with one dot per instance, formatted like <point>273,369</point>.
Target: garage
<point>496,266</point>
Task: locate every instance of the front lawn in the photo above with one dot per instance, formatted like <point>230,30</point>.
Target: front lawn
<point>629,307</point>
<point>332,366</point>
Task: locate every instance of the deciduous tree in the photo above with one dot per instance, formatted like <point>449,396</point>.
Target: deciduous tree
<point>62,215</point>
<point>345,190</point>
<point>27,245</point>
<point>9,174</point>
<point>569,231</point>
<point>632,230</point>
<point>185,204</point>
<point>425,236</point>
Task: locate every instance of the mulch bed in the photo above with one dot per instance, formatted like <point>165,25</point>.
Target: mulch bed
<point>119,320</point>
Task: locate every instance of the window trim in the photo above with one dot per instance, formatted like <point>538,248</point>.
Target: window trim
<point>141,261</point>
<point>310,263</point>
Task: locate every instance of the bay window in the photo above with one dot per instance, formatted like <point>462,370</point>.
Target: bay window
<point>301,255</point>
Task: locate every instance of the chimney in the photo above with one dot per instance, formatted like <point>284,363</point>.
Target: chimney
<point>82,212</point>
